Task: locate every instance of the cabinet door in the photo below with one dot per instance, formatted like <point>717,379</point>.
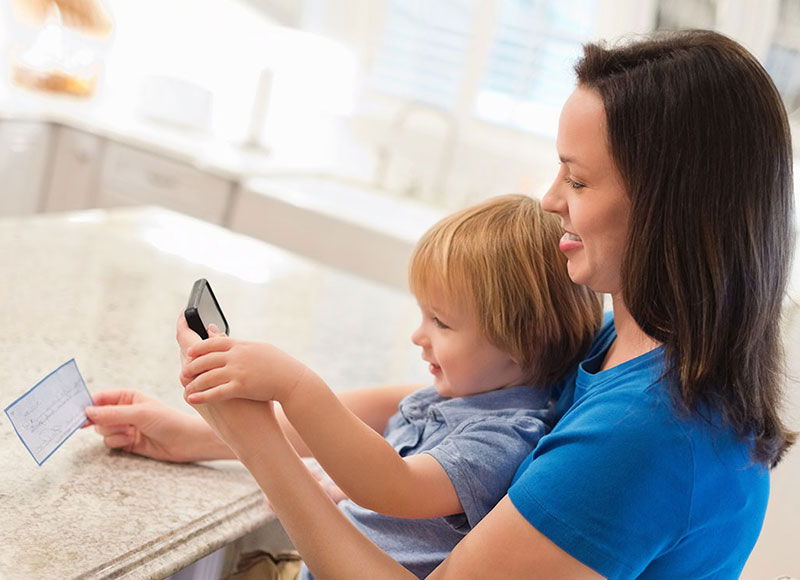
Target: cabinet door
<point>342,226</point>
<point>75,170</point>
<point>24,155</point>
<point>133,177</point>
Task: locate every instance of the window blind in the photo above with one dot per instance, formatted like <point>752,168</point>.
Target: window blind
<point>529,75</point>
<point>421,55</point>
<point>423,48</point>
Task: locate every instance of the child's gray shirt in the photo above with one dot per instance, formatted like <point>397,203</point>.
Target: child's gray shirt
<point>479,440</point>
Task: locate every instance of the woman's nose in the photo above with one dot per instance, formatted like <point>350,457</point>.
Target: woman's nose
<point>552,201</point>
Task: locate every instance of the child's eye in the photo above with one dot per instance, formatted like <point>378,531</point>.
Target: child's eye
<point>439,323</point>
<point>573,184</point>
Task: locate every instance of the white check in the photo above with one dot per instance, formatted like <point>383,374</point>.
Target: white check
<point>51,411</point>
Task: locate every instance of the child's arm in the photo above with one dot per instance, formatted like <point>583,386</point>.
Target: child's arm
<point>373,405</point>
<point>355,455</point>
<point>363,463</point>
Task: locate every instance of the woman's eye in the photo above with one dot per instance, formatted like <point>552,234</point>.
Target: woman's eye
<point>439,323</point>
<point>574,184</point>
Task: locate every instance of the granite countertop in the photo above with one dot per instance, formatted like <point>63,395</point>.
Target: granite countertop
<point>105,287</point>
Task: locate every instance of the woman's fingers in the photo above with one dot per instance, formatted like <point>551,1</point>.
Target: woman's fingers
<point>106,430</point>
<point>119,441</point>
<point>117,397</point>
<point>213,331</point>
<point>114,414</point>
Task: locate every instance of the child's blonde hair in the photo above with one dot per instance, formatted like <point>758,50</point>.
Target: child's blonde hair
<point>501,259</point>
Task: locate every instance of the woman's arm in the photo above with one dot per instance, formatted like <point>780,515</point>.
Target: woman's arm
<point>128,419</point>
<point>503,545</point>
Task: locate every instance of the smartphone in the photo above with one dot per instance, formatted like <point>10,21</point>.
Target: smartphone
<point>203,309</point>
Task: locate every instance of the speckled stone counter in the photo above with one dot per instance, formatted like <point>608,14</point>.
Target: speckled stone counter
<point>106,288</point>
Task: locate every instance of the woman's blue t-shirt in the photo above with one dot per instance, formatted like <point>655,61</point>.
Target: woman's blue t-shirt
<point>634,489</point>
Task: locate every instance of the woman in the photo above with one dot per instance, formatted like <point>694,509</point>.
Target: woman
<point>675,196</point>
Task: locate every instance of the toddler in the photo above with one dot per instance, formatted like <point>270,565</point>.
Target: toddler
<point>501,323</point>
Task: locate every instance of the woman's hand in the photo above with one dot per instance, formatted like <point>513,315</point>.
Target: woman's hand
<point>222,368</point>
<point>134,422</point>
<point>237,421</point>
<point>186,337</point>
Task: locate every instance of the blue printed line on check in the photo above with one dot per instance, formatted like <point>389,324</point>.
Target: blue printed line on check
<point>51,411</point>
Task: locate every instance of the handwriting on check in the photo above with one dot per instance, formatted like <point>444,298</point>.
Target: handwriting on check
<point>51,411</point>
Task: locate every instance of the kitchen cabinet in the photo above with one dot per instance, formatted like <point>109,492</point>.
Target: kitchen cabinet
<point>75,170</point>
<point>130,176</point>
<point>25,148</point>
<point>346,226</point>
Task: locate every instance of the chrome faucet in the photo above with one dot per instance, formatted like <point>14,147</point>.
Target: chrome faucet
<point>385,150</point>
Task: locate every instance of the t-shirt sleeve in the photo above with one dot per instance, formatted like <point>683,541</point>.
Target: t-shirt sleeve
<point>611,486</point>
<point>480,457</point>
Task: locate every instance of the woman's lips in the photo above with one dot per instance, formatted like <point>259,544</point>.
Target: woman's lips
<point>569,241</point>
<point>434,369</point>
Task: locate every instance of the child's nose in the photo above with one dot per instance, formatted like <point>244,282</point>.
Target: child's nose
<point>418,337</point>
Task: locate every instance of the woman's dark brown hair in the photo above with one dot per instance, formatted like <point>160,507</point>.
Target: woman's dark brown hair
<point>701,138</point>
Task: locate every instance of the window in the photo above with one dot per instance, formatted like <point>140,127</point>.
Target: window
<point>424,47</point>
<point>783,57</point>
<point>529,74</point>
<point>423,50</point>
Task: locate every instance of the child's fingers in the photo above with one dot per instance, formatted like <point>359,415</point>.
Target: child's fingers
<point>203,364</point>
<point>217,343</point>
<point>185,379</point>
<point>207,380</point>
<point>221,392</point>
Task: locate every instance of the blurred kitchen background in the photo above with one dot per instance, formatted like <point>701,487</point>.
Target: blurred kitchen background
<point>339,129</point>
<point>368,117</point>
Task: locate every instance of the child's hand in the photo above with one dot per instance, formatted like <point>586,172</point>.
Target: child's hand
<point>222,368</point>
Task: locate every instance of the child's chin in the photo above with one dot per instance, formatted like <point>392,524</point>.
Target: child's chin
<point>442,388</point>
